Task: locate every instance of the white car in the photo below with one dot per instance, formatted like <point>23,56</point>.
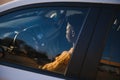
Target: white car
<point>60,40</point>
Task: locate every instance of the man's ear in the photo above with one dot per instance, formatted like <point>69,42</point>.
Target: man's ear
<point>73,33</point>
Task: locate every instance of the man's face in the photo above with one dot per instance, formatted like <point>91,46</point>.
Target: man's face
<point>69,30</point>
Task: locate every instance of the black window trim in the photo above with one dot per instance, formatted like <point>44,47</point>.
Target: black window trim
<point>81,49</point>
<point>57,4</point>
<point>97,44</point>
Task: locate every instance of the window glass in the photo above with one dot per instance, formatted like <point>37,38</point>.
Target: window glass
<point>109,68</point>
<point>42,38</point>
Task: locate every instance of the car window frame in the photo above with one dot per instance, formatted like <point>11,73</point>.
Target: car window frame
<point>98,40</point>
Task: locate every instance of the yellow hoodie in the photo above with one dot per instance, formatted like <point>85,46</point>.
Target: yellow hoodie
<point>60,63</point>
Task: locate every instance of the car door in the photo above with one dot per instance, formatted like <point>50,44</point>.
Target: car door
<point>34,36</point>
<point>105,39</point>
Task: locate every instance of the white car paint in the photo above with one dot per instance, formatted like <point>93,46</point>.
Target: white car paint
<point>9,73</point>
<point>16,3</point>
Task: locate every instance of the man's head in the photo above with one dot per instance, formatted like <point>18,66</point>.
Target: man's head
<point>70,33</point>
<point>73,27</point>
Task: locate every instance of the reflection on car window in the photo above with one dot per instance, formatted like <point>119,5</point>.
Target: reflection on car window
<point>41,38</point>
<point>109,68</point>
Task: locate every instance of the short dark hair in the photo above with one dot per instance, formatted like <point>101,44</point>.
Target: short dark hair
<point>76,21</point>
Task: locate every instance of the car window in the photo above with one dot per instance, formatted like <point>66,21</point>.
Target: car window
<point>109,68</point>
<point>42,38</point>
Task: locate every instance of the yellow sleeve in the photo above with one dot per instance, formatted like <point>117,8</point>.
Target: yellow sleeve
<point>60,63</point>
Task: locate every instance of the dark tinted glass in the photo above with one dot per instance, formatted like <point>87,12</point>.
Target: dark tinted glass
<point>41,38</point>
<point>109,68</point>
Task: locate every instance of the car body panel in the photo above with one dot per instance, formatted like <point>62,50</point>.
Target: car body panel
<point>10,73</point>
<point>17,3</point>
